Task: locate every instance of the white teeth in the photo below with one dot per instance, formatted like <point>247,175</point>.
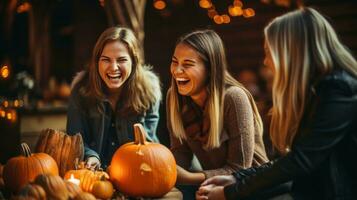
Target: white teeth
<point>182,79</point>
<point>114,75</point>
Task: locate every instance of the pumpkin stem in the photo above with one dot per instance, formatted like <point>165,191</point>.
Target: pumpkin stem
<point>25,150</point>
<point>140,133</point>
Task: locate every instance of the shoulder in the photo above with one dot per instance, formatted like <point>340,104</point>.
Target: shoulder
<point>235,94</point>
<point>339,81</point>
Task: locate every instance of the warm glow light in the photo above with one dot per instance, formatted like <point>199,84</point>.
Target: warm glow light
<point>218,19</point>
<point>212,13</point>
<point>249,12</point>
<point>2,113</point>
<point>6,104</point>
<point>235,11</point>
<point>159,4</point>
<point>5,71</point>
<point>237,3</point>
<point>9,116</point>
<point>74,180</point>
<point>226,19</point>
<point>16,103</point>
<point>21,103</point>
<point>102,3</point>
<point>205,4</point>
<point>23,7</point>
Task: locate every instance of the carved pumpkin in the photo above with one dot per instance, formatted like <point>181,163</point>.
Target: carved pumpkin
<point>73,189</point>
<point>84,196</point>
<point>54,186</point>
<point>142,168</point>
<point>102,189</point>
<point>62,147</point>
<point>86,177</point>
<point>21,170</point>
<point>33,191</point>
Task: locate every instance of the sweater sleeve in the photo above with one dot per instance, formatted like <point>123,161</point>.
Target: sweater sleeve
<point>239,125</point>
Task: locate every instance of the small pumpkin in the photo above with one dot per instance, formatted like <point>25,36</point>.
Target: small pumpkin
<point>33,191</point>
<point>62,147</point>
<point>140,164</point>
<point>84,196</point>
<point>102,189</point>
<point>54,186</point>
<point>73,189</point>
<point>86,177</point>
<point>21,170</point>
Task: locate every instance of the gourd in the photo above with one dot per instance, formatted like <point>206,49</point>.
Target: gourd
<point>62,147</point>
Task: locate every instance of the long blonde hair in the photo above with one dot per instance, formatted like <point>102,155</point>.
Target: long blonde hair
<point>304,48</point>
<point>211,50</point>
<point>141,90</point>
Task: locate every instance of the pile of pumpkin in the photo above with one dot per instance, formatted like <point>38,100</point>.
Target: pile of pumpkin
<point>138,169</point>
<point>36,175</point>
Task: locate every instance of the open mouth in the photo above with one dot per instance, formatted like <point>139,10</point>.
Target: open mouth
<point>182,81</point>
<point>115,76</point>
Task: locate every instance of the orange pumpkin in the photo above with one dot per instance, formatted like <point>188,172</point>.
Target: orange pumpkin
<point>86,177</point>
<point>142,168</point>
<point>33,191</point>
<point>21,170</point>
<point>73,189</point>
<point>84,196</point>
<point>65,149</point>
<point>54,186</point>
<point>102,189</point>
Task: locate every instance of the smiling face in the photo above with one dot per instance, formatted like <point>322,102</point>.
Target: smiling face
<point>189,72</point>
<point>115,65</point>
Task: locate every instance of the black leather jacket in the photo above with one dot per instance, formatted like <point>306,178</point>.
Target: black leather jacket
<point>322,160</point>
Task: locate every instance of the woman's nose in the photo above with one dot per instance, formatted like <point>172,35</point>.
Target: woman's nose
<point>114,65</point>
<point>178,69</point>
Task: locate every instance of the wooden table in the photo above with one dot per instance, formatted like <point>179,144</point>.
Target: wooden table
<point>174,194</point>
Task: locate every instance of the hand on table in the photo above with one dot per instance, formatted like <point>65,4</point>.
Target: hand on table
<point>210,192</point>
<point>213,188</point>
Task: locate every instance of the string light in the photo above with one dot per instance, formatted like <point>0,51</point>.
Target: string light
<point>2,113</point>
<point>23,7</point>
<point>159,4</point>
<point>5,72</point>
<point>234,10</point>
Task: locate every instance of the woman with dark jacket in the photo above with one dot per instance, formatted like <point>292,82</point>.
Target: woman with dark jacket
<point>314,115</point>
<point>115,92</point>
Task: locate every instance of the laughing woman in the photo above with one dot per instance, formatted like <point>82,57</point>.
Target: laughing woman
<point>210,115</point>
<point>115,92</point>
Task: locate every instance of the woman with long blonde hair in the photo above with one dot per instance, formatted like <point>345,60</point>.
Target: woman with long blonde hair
<point>115,92</point>
<point>314,115</point>
<point>209,114</point>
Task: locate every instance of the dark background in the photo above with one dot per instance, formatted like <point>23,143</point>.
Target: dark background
<point>76,24</point>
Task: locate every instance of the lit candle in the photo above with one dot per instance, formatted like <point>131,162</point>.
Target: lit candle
<point>73,180</point>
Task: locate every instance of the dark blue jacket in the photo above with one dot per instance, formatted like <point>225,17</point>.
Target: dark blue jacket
<point>94,125</point>
<point>322,160</point>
